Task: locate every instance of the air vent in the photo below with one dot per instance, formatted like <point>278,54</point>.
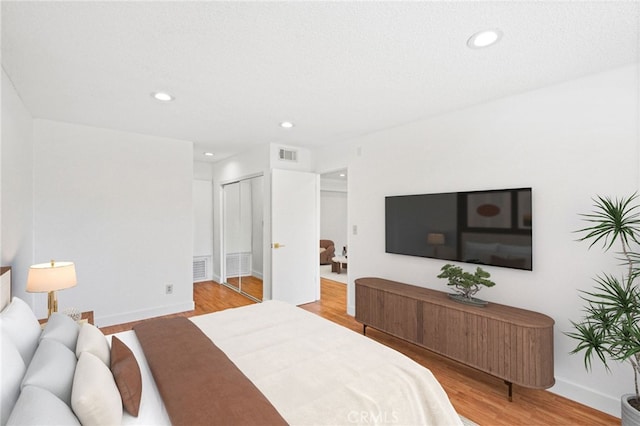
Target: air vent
<point>288,155</point>
<point>238,264</point>
<point>200,268</point>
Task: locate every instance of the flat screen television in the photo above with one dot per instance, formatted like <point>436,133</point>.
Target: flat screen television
<point>482,227</point>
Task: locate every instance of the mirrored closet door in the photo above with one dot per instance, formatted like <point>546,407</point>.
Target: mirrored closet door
<point>243,236</point>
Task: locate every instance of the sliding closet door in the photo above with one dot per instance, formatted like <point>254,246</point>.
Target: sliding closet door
<point>231,234</point>
<point>243,234</point>
<point>252,196</point>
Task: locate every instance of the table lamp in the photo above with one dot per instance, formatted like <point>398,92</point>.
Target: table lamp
<point>49,277</point>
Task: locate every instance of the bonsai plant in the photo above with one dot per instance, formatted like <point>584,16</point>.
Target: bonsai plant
<point>466,284</point>
<point>610,328</point>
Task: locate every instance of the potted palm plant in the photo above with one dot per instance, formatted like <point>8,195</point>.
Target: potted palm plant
<point>610,328</point>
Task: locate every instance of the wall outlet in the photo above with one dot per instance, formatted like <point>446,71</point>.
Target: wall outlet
<point>168,289</point>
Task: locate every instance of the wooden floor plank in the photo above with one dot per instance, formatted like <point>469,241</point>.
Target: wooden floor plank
<point>475,395</point>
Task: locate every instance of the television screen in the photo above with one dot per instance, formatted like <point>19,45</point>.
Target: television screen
<point>483,227</point>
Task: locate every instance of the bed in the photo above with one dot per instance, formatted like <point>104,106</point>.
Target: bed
<point>310,370</point>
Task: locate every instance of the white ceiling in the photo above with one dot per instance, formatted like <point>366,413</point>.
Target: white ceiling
<point>336,69</point>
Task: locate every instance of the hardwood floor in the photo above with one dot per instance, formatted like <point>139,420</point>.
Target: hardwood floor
<point>475,395</point>
<point>250,285</point>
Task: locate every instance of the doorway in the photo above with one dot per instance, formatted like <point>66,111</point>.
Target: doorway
<point>333,221</point>
<point>242,242</point>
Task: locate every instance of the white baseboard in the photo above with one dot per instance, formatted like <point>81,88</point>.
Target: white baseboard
<point>587,396</point>
<point>104,321</point>
<point>351,310</point>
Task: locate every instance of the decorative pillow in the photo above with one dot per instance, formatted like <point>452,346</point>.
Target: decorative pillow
<point>38,406</point>
<point>19,323</point>
<point>322,249</point>
<point>52,368</point>
<point>126,372</point>
<point>12,370</point>
<point>95,399</point>
<point>91,339</point>
<point>62,328</point>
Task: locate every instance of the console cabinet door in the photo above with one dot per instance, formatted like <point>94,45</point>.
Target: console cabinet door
<point>401,316</point>
<point>370,306</point>
<point>446,331</point>
<point>395,314</point>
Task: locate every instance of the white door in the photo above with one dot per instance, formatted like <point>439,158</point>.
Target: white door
<point>295,233</point>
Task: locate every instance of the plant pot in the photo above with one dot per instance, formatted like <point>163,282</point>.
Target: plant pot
<point>629,416</point>
<point>468,300</point>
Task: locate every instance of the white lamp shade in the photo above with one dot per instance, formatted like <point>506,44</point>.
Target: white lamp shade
<point>45,277</point>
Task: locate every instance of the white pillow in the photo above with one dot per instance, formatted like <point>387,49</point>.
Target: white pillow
<point>12,370</point>
<point>38,406</point>
<point>62,328</point>
<point>52,368</point>
<point>91,339</point>
<point>19,323</point>
<point>95,398</point>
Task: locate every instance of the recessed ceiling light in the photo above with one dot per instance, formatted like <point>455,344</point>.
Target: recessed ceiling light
<point>208,154</point>
<point>162,96</point>
<point>484,39</point>
<point>286,124</point>
<point>342,175</point>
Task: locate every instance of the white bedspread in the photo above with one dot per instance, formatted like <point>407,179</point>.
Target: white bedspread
<point>317,372</point>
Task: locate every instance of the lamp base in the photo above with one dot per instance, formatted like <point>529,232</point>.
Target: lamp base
<point>52,303</point>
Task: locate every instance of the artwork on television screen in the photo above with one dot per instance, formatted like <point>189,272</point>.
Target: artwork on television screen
<point>491,227</point>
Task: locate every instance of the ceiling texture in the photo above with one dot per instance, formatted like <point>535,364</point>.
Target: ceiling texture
<point>337,70</point>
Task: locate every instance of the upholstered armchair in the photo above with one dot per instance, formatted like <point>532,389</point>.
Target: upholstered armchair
<point>327,251</point>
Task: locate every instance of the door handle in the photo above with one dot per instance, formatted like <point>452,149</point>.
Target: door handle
<point>277,245</point>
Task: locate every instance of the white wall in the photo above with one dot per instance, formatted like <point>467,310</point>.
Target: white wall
<point>202,170</point>
<point>328,184</point>
<point>203,213</point>
<point>120,206</point>
<point>16,185</point>
<point>202,218</point>
<point>568,142</point>
<point>333,218</point>
<point>203,223</point>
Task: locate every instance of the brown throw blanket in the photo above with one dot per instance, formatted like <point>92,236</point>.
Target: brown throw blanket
<point>198,382</point>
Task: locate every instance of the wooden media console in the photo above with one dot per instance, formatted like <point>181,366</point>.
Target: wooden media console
<point>513,344</point>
